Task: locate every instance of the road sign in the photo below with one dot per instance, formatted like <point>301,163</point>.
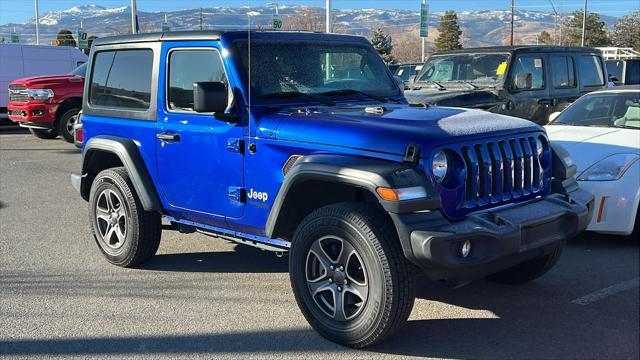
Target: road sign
<point>15,38</point>
<point>165,27</point>
<point>424,21</point>
<point>276,22</point>
<point>83,42</point>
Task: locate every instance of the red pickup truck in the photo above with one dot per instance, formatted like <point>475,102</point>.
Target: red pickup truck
<point>47,105</point>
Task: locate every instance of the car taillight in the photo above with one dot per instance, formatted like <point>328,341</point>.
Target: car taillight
<point>79,135</point>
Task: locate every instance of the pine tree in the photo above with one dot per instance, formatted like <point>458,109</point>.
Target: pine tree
<point>383,44</point>
<point>596,32</point>
<point>449,37</point>
<point>545,38</point>
<point>65,38</point>
<point>627,31</point>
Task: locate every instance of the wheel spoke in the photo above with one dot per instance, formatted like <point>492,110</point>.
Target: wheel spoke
<point>345,253</point>
<point>119,234</point>
<point>325,260</point>
<point>318,286</point>
<point>339,313</point>
<point>361,291</point>
<point>109,195</point>
<point>106,231</point>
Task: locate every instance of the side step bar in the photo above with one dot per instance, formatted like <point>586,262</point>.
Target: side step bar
<point>238,240</point>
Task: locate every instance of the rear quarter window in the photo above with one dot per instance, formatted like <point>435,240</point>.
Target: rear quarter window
<point>633,72</point>
<point>590,71</point>
<point>122,79</point>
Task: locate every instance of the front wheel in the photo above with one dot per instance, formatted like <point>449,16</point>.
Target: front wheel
<point>349,276</point>
<point>46,134</point>
<point>65,124</point>
<point>528,270</point>
<point>126,234</point>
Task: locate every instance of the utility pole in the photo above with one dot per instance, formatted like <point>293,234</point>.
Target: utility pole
<point>134,17</point>
<point>37,23</point>
<point>513,5</point>
<point>200,18</point>
<point>555,26</point>
<point>584,22</point>
<point>328,15</point>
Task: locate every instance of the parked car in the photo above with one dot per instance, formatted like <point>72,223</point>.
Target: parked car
<point>407,72</point>
<point>360,188</point>
<point>529,82</point>
<point>48,105</point>
<point>22,60</point>
<point>624,72</point>
<point>601,131</point>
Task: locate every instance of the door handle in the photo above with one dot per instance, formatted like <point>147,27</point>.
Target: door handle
<point>168,137</point>
<point>547,102</point>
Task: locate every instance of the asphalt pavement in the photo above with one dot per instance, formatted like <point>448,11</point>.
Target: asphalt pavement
<point>209,298</point>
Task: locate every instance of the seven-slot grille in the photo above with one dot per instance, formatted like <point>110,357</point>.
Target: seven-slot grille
<point>18,93</point>
<point>501,170</point>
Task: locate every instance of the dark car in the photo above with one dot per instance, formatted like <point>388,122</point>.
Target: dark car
<point>406,72</point>
<point>248,137</point>
<point>624,72</point>
<point>529,82</point>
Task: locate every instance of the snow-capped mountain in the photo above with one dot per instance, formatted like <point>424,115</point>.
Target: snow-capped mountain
<point>481,28</point>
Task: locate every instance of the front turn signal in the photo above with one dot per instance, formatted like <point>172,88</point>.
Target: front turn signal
<point>388,194</point>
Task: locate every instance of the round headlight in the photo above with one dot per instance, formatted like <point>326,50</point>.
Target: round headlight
<point>539,147</point>
<point>439,166</point>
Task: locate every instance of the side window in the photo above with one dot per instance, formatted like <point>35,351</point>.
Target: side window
<point>633,72</point>
<point>563,72</point>
<point>532,65</point>
<point>590,71</point>
<point>122,79</point>
<point>614,68</point>
<point>187,67</point>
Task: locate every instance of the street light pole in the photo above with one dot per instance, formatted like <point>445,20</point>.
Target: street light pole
<point>134,17</point>
<point>37,23</point>
<point>555,26</point>
<point>328,15</point>
<point>584,22</point>
<point>512,18</point>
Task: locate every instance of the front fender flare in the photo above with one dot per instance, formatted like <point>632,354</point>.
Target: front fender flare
<point>366,173</point>
<point>128,153</point>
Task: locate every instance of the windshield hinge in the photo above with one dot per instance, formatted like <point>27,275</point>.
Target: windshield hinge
<point>412,154</point>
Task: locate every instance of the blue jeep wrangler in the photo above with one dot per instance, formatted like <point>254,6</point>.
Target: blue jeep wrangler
<point>303,143</point>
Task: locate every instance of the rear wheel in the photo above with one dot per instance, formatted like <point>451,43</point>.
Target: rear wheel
<point>44,133</point>
<point>349,276</point>
<point>125,233</point>
<point>65,124</point>
<point>528,270</point>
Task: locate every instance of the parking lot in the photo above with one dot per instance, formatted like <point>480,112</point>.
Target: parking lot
<point>206,297</point>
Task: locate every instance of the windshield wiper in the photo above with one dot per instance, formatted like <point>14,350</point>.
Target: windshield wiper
<point>354,91</point>
<point>439,85</point>
<point>287,94</point>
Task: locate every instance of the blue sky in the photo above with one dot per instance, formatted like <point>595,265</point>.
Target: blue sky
<point>21,10</point>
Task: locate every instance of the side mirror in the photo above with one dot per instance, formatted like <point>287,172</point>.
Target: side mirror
<point>210,97</point>
<point>523,81</point>
<point>613,78</point>
<point>553,116</point>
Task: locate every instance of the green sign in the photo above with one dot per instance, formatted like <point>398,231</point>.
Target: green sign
<point>83,42</point>
<point>424,21</point>
<point>165,27</point>
<point>276,22</point>
<point>14,37</point>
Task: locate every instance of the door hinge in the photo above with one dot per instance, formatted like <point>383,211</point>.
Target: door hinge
<point>235,145</point>
<point>237,194</point>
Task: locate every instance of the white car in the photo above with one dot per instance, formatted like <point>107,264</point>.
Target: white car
<point>601,131</point>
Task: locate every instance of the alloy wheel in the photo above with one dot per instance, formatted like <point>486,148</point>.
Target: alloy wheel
<point>111,217</point>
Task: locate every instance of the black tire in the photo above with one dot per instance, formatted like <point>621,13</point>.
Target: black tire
<point>65,124</point>
<point>139,240</point>
<point>528,270</point>
<point>44,134</point>
<point>387,274</point>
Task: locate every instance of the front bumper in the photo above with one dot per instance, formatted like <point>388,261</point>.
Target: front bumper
<point>40,115</point>
<point>500,237</point>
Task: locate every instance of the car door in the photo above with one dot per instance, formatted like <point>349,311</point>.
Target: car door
<point>200,161</point>
<point>563,81</point>
<point>532,103</point>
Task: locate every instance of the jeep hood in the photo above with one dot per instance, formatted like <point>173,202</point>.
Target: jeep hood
<point>473,98</point>
<point>392,130</point>
<point>47,80</point>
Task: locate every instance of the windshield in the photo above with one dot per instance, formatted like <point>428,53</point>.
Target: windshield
<point>316,71</point>
<point>478,69</point>
<point>80,70</point>
<point>604,110</point>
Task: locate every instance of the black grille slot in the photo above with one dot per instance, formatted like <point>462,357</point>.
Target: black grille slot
<point>501,170</point>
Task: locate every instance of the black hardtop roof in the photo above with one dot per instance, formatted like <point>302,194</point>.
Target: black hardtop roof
<point>211,35</point>
<point>523,49</point>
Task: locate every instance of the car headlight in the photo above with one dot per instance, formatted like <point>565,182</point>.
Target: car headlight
<point>40,94</point>
<point>439,166</point>
<point>610,168</point>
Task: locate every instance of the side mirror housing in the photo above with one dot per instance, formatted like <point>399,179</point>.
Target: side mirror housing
<point>553,116</point>
<point>523,81</point>
<point>210,97</point>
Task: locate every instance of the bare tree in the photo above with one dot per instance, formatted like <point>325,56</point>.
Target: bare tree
<point>311,19</point>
